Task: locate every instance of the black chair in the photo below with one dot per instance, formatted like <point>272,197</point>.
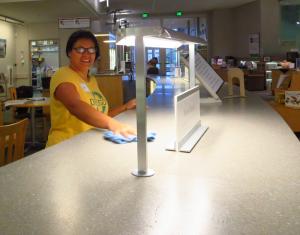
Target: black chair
<point>23,92</point>
<point>46,83</point>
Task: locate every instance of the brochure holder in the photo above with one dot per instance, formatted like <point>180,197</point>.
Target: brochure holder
<point>187,121</point>
<point>211,81</point>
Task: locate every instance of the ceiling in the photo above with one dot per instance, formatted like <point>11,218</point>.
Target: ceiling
<point>34,11</point>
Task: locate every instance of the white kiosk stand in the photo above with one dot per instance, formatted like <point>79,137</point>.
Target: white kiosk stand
<point>140,38</point>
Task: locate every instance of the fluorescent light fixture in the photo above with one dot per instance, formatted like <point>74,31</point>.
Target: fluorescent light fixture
<point>109,41</point>
<point>161,42</point>
<point>101,34</point>
<point>11,20</point>
<point>127,41</point>
<point>150,41</point>
<point>107,2</point>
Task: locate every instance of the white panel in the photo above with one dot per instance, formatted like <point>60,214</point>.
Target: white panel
<point>187,114</point>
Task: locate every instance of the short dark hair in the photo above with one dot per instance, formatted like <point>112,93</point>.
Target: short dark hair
<point>79,35</point>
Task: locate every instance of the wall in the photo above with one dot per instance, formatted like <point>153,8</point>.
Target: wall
<point>229,29</point>
<point>270,28</point>
<point>220,32</point>
<point>36,32</point>
<point>7,31</point>
<point>63,35</point>
<point>22,56</point>
<point>247,20</point>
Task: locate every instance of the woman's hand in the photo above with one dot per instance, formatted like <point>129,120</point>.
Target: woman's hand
<point>120,128</point>
<point>131,104</point>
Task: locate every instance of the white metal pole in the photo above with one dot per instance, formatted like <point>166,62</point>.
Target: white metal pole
<point>141,109</point>
<point>192,65</point>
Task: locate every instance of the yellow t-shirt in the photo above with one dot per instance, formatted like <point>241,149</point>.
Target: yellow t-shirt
<point>64,125</point>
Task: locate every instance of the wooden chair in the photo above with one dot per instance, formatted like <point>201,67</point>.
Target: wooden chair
<point>236,73</point>
<point>13,96</point>
<point>12,93</point>
<point>12,139</point>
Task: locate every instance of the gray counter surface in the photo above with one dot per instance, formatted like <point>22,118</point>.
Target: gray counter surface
<point>243,177</point>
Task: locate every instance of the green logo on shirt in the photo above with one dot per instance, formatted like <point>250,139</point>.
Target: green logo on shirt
<point>98,102</point>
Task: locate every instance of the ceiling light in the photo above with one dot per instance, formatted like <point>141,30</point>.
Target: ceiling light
<point>109,41</point>
<point>151,42</point>
<point>161,42</point>
<point>298,22</point>
<point>107,2</point>
<point>127,41</point>
<point>101,34</point>
<point>11,20</point>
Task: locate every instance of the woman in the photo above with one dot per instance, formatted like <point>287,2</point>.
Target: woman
<point>77,104</point>
<point>152,69</point>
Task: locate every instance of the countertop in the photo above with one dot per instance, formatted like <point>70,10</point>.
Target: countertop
<point>108,74</point>
<point>243,177</point>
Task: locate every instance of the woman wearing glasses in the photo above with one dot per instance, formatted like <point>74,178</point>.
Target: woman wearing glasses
<point>77,104</point>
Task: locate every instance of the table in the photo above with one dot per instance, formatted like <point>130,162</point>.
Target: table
<point>32,104</point>
<point>241,178</point>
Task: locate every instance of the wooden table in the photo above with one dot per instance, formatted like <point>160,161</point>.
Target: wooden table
<point>290,115</point>
<point>32,105</point>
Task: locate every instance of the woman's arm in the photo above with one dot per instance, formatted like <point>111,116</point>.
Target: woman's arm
<point>131,104</point>
<point>67,94</point>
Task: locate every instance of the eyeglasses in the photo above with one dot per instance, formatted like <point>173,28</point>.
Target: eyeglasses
<point>81,50</point>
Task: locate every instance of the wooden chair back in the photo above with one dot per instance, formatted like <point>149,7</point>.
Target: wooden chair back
<point>237,75</point>
<point>13,93</point>
<point>12,140</point>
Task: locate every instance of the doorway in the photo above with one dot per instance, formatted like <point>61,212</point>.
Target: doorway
<point>44,61</point>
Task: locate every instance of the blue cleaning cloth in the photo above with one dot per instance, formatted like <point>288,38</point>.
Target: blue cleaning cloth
<point>119,139</point>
